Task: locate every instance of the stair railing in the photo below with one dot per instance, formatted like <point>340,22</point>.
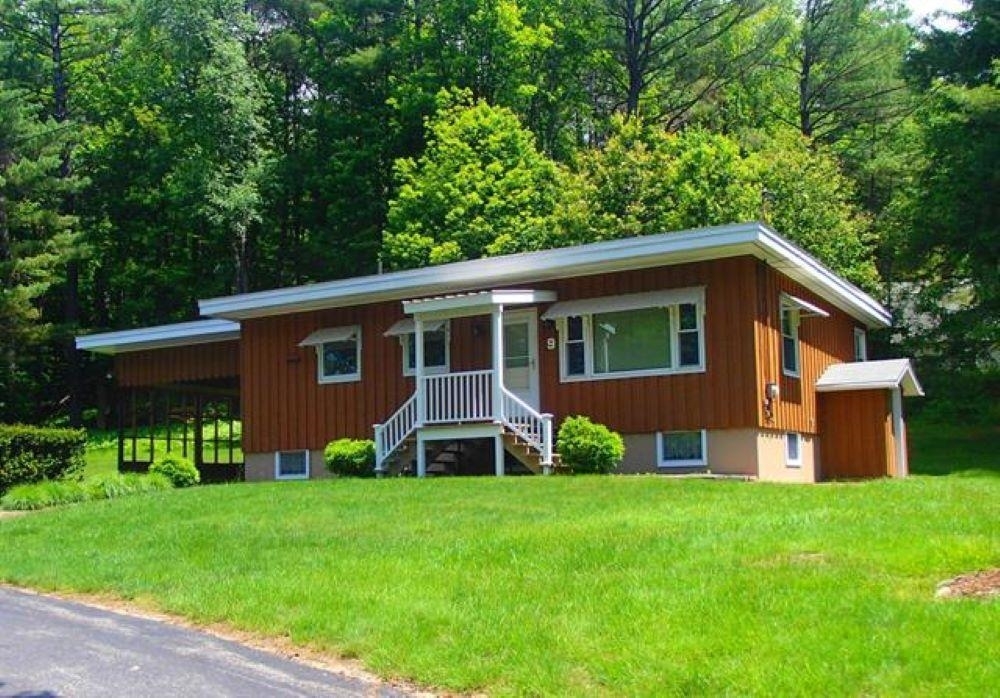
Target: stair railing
<point>393,431</point>
<point>528,424</point>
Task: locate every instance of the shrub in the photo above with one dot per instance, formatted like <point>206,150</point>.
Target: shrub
<point>47,493</point>
<point>124,484</point>
<point>586,447</point>
<point>350,457</point>
<point>30,454</point>
<point>177,469</point>
<point>50,493</point>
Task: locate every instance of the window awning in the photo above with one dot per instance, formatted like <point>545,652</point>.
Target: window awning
<point>408,326</point>
<point>631,301</point>
<point>330,334</point>
<point>806,309</point>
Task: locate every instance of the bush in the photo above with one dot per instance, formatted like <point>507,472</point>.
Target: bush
<point>30,454</point>
<point>179,470</point>
<point>350,457</point>
<point>50,493</point>
<point>586,447</point>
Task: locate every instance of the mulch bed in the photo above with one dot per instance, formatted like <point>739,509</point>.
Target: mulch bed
<point>983,584</point>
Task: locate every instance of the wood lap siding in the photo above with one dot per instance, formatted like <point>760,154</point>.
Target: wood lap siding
<point>822,342</point>
<point>178,364</point>
<point>857,434</point>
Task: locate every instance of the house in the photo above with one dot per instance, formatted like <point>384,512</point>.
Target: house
<point>724,349</point>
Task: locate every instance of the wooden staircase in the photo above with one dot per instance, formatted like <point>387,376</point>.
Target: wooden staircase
<point>446,458</point>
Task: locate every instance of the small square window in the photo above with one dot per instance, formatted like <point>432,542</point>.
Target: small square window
<point>793,449</point>
<point>436,352</point>
<point>291,465</point>
<point>682,448</point>
<point>340,359</point>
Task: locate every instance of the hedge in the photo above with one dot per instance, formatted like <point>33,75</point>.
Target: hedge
<point>30,454</point>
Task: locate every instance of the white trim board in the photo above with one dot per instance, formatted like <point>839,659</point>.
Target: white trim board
<point>160,336</point>
<point>754,239</point>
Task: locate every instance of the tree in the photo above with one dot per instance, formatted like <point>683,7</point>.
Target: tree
<point>481,187</point>
<point>35,238</point>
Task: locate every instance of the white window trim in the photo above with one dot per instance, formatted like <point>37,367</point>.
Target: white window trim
<point>277,466</point>
<point>700,462</point>
<point>795,321</point>
<point>789,461</point>
<point>862,335</point>
<point>347,377</point>
<point>405,340</point>
<point>695,296</point>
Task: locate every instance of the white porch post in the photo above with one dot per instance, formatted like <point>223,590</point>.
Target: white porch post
<point>418,376</point>
<point>497,318</point>
<point>418,369</point>
<point>899,429</point>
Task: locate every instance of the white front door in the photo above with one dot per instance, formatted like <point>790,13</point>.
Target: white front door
<point>520,354</point>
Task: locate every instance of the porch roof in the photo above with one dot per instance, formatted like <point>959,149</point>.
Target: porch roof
<point>477,303</point>
<point>160,336</point>
<point>870,375</point>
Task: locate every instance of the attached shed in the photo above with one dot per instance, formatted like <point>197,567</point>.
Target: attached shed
<point>860,410</point>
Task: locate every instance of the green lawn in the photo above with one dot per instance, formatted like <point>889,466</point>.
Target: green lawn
<point>569,585</point>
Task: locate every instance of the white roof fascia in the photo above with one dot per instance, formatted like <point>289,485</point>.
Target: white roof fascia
<point>629,301</point>
<point>799,265</point>
<point>330,334</point>
<point>680,247</point>
<point>160,336</point>
<point>871,375</point>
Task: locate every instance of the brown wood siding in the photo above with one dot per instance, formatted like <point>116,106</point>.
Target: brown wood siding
<point>857,439</point>
<point>721,397</point>
<point>284,407</point>
<point>822,342</point>
<point>178,364</point>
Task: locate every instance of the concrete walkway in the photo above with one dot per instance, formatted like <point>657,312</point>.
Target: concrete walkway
<point>50,647</point>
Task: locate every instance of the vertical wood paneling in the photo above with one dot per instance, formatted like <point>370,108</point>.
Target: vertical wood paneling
<point>178,364</point>
<point>857,439</point>
<point>822,341</point>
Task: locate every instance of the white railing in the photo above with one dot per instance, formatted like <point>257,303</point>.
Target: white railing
<point>459,397</point>
<point>391,433</point>
<point>451,398</point>
<point>529,425</point>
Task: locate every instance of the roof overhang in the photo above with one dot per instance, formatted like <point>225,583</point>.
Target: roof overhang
<point>478,303</point>
<point>160,336</point>
<point>754,239</point>
<point>805,308</point>
<point>871,375</point>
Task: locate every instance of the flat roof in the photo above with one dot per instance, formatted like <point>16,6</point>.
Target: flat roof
<point>870,375</point>
<point>702,244</point>
<point>160,336</point>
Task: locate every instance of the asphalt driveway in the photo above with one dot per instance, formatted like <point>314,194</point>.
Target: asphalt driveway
<point>50,647</point>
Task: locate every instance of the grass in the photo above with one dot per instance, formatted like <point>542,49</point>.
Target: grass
<point>102,446</point>
<point>576,585</point>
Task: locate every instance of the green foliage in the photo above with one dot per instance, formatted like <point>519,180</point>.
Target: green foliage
<point>179,470</point>
<point>29,454</point>
<point>50,493</point>
<point>350,457</point>
<point>586,447</point>
<point>481,179</point>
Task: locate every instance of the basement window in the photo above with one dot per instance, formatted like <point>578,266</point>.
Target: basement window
<point>682,449</point>
<point>793,450</point>
<point>291,465</point>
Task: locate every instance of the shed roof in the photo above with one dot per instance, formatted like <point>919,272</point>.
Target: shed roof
<point>754,239</point>
<point>870,375</point>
